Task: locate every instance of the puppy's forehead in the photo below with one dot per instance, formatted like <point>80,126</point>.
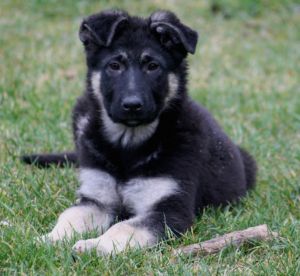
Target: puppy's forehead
<point>140,54</point>
<point>135,42</point>
<point>136,39</point>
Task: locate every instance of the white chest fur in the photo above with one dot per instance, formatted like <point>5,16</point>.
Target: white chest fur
<point>141,194</point>
<point>138,194</point>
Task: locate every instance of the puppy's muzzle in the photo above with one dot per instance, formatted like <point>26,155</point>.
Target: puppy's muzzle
<point>132,105</point>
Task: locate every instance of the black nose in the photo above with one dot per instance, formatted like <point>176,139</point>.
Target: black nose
<point>132,103</point>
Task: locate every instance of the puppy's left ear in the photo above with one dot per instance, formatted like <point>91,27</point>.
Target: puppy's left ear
<point>172,32</point>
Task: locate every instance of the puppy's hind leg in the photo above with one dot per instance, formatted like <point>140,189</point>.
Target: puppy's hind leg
<point>79,219</point>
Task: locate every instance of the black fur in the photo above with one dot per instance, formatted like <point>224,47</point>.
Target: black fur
<point>46,160</point>
<point>187,146</point>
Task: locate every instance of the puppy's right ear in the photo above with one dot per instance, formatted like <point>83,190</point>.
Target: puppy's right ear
<point>100,29</point>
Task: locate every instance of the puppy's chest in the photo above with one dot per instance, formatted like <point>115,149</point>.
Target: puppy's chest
<point>140,195</point>
<point>142,160</point>
<point>129,164</point>
<point>137,195</point>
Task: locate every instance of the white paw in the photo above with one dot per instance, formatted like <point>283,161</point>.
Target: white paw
<point>117,239</point>
<point>47,238</point>
<point>86,245</point>
<point>50,238</point>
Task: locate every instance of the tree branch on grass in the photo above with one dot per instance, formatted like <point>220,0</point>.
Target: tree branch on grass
<point>260,232</point>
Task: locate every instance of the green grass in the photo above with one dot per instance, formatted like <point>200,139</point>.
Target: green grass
<point>246,72</point>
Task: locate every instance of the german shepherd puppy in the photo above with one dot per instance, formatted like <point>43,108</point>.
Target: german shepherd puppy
<point>147,154</point>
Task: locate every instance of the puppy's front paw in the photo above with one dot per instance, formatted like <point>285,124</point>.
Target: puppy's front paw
<point>117,239</point>
<point>51,237</point>
<point>47,238</point>
<point>87,246</point>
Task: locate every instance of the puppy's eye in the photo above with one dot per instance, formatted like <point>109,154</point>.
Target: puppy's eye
<point>114,66</point>
<point>152,66</point>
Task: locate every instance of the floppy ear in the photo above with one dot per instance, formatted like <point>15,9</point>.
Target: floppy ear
<point>172,32</point>
<point>100,29</point>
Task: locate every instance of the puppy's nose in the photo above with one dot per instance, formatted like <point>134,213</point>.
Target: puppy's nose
<point>132,104</point>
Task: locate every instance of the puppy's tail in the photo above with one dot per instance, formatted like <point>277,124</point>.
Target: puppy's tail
<point>250,168</point>
<point>46,160</point>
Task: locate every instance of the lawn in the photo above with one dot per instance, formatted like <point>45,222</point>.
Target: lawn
<point>246,71</point>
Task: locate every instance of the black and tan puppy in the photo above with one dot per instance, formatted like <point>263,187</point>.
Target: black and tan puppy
<point>147,154</point>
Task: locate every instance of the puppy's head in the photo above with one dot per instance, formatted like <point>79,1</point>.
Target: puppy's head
<point>133,62</point>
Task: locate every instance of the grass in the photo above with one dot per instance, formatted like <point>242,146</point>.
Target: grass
<point>246,71</point>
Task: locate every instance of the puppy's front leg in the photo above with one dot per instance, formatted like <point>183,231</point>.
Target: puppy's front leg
<point>126,234</point>
<point>157,202</point>
<point>137,232</point>
<point>79,219</point>
<point>98,199</point>
<point>143,230</point>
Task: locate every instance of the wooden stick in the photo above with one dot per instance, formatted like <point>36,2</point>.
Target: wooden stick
<point>236,238</point>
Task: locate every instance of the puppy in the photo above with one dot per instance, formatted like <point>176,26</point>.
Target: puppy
<point>148,155</point>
